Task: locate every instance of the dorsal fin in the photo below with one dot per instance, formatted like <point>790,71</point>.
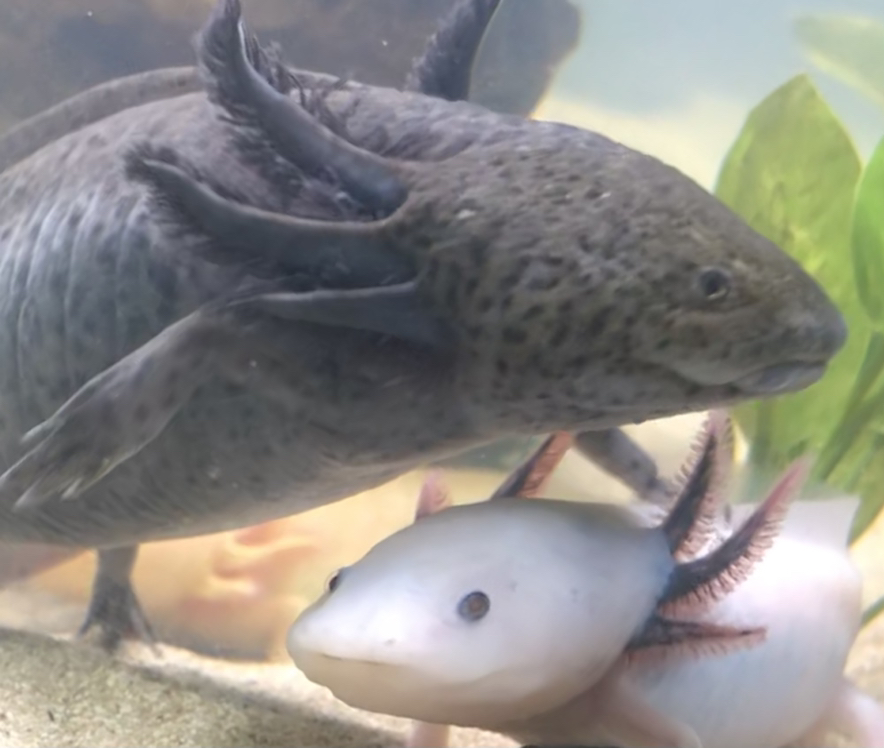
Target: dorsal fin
<point>529,477</point>
<point>445,68</point>
<point>696,584</point>
<point>88,106</point>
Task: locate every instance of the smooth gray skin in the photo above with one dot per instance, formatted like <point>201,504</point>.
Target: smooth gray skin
<point>221,419</point>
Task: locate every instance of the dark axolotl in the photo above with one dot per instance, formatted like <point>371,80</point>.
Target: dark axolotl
<point>229,306</point>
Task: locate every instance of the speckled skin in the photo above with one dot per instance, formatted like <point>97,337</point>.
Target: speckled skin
<point>567,267</point>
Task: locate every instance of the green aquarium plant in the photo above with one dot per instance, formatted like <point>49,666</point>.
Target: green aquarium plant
<point>795,175</point>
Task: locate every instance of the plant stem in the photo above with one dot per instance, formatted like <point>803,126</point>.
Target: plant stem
<point>872,612</point>
<point>857,412</point>
<point>759,447</point>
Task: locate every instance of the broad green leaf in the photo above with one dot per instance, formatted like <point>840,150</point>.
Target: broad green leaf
<point>850,48</point>
<point>868,238</point>
<point>792,174</point>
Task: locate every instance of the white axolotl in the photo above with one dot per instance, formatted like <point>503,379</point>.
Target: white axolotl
<point>788,689</point>
<point>491,613</point>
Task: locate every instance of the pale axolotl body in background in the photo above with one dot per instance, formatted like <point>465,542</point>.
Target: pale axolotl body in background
<point>488,614</point>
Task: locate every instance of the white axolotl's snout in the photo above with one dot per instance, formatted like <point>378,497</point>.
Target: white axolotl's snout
<point>438,621</point>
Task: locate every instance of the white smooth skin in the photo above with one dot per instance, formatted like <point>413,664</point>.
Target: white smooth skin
<point>807,591</point>
<point>568,584</point>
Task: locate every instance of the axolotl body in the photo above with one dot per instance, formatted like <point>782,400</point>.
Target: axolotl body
<point>785,687</point>
<point>490,614</point>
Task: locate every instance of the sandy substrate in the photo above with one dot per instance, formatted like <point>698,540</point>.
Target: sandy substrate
<point>55,693</point>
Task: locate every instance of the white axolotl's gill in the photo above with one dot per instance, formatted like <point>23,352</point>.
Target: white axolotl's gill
<point>489,614</point>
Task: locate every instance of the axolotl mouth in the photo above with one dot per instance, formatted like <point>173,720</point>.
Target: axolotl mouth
<point>363,683</point>
<point>781,378</point>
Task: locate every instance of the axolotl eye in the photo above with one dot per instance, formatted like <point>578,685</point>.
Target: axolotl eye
<point>474,607</point>
<point>714,283</point>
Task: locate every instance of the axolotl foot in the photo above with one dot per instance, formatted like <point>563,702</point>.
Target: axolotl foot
<point>114,609</point>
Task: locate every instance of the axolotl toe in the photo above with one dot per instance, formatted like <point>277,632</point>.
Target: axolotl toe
<point>488,614</point>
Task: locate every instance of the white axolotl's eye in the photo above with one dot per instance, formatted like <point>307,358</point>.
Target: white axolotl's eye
<point>474,607</point>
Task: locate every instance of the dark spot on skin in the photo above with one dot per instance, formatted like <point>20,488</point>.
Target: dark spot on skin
<point>59,394</point>
<point>474,332</point>
<point>74,219</point>
<point>451,289</point>
<point>141,413</point>
<point>511,279</point>
<point>485,304</point>
<point>542,283</point>
<point>599,322</point>
<point>514,335</point>
<point>554,261</point>
<point>560,334</point>
<point>532,313</point>
<point>58,284</point>
<point>107,308</point>
<point>578,362</point>
<point>173,377</point>
<point>583,243</point>
<point>477,253</point>
<point>170,400</point>
<point>90,326</point>
<point>501,367</point>
<point>164,279</point>
<point>76,304</point>
<point>474,607</point>
<point>470,288</point>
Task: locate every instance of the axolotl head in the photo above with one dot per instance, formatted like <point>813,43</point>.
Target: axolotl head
<point>440,621</point>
